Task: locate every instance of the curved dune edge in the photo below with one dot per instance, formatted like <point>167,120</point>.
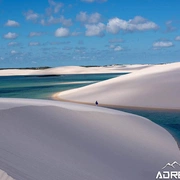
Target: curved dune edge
<point>41,139</point>
<point>155,87</point>
<point>57,97</point>
<point>5,176</point>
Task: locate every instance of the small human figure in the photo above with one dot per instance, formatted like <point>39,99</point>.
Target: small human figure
<point>96,103</point>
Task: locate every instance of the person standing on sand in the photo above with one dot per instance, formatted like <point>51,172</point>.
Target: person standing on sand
<point>96,103</point>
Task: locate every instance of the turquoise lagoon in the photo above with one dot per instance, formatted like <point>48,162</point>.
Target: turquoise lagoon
<point>43,87</point>
<point>168,119</point>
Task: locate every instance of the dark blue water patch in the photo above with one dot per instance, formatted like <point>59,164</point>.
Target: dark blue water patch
<point>42,87</point>
<point>39,92</point>
<point>59,78</point>
<point>170,120</point>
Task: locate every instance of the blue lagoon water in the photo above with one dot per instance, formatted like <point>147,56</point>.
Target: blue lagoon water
<point>170,120</point>
<point>42,87</point>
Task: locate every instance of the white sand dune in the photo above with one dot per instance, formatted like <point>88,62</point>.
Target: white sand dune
<point>153,87</point>
<point>73,70</point>
<point>4,176</point>
<point>49,140</point>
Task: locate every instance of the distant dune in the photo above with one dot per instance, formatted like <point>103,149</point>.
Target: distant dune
<point>157,86</point>
<point>50,140</point>
<point>73,70</point>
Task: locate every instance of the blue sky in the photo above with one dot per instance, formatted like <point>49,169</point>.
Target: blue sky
<point>88,32</point>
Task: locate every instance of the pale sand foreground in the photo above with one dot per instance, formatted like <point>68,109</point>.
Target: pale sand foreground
<point>4,176</point>
<point>74,70</point>
<point>153,87</point>
<point>50,140</point>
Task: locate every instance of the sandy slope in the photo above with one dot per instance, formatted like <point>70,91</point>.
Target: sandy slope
<point>74,70</point>
<point>4,176</point>
<point>48,140</point>
<point>155,87</point>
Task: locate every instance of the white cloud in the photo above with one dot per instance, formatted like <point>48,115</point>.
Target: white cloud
<point>137,24</point>
<point>162,44</point>
<point>12,44</point>
<point>55,5</point>
<point>76,33</point>
<point>111,46</point>
<point>53,20</point>
<point>82,17</point>
<point>31,15</point>
<point>118,48</point>
<point>91,1</point>
<point>32,34</point>
<point>170,27</point>
<point>13,52</point>
<point>34,44</point>
<point>12,23</point>
<point>177,38</point>
<point>95,29</point>
<point>62,32</point>
<point>65,22</point>
<point>89,19</point>
<point>138,20</point>
<point>94,18</point>
<point>57,8</point>
<point>10,35</point>
<point>43,22</point>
